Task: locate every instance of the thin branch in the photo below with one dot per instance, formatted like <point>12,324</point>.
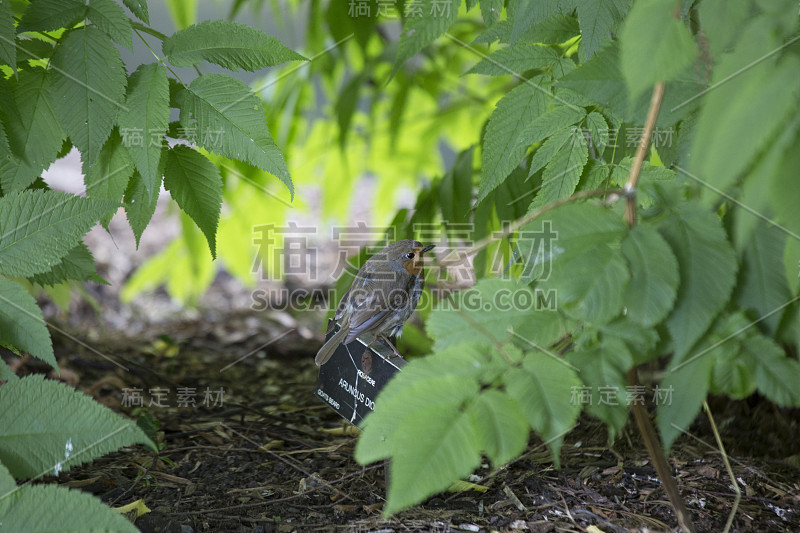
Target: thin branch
<point>736,488</point>
<point>641,152</point>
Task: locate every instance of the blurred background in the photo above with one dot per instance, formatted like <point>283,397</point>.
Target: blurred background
<point>364,154</point>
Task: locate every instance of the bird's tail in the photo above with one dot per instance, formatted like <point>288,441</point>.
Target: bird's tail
<point>330,346</point>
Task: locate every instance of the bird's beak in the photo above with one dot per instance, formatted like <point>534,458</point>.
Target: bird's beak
<point>427,248</point>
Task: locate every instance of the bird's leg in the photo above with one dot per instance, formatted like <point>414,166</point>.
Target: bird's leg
<point>395,353</point>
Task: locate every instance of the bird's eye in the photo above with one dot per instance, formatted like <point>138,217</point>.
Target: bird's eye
<point>410,255</point>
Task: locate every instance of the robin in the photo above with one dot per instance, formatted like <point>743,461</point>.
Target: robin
<point>381,298</point>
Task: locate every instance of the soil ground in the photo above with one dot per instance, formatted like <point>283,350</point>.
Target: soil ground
<point>269,456</point>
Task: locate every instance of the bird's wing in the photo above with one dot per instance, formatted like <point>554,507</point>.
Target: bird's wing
<point>380,298</point>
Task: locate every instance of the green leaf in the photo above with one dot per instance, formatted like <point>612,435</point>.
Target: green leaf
<point>654,276</point>
<point>490,304</point>
<point>139,206</point>
<point>22,325</point>
<point>515,60</point>
<point>455,190</point>
<point>183,12</point>
<point>763,286</point>
<point>601,80</point>
<point>707,267</point>
<point>563,172</point>
<point>720,152</point>
<point>226,43</point>
<point>501,429</point>
<point>603,370</point>
<point>598,131</point>
<point>551,122</point>
<point>548,149</point>
<point>146,121</point>
<point>229,122</point>
<point>46,15</point>
<point>490,11</point>
<point>108,177</point>
<point>346,104</point>
<point>138,8</point>
<point>77,265</point>
<point>53,428</point>
<point>542,388</point>
<point>577,263</point>
<point>524,13</point>
<point>112,20</point>
<point>416,387</point>
<point>8,34</point>
<point>776,374</point>
<point>502,150</point>
<point>688,386</point>
<point>88,88</point>
<point>445,449</point>
<point>195,184</point>
<point>39,227</point>
<point>598,20</point>
<point>733,374</point>
<point>66,510</point>
<point>654,45</point>
<point>33,133</point>
<point>422,28</point>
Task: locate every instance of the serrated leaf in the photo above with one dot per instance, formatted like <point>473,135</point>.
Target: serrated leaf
<point>445,449</point>
<point>776,374</point>
<point>720,152</point>
<point>415,413</point>
<point>524,13</point>
<point>598,131</point>
<point>226,43</point>
<point>688,386</point>
<point>598,19</point>
<point>112,20</point>
<point>707,268</point>
<point>53,428</point>
<point>542,388</point>
<point>138,8</point>
<point>108,177</point>
<point>33,132</point>
<point>654,45</point>
<point>515,60</point>
<point>603,370</point>
<point>551,122</point>
<point>763,286</point>
<point>501,429</point>
<point>229,122</point>
<point>195,184</point>
<point>22,325</point>
<point>8,34</point>
<point>87,88</point>
<point>77,265</point>
<point>453,323</point>
<point>39,227</point>
<point>490,11</point>
<point>139,206</point>
<point>502,150</point>
<point>148,116</point>
<point>455,189</point>
<point>66,510</point>
<point>654,276</point>
<point>561,176</point>
<point>732,374</point>
<point>45,15</point>
<point>420,30</point>
<point>568,231</point>
<point>601,80</point>
<point>548,149</point>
